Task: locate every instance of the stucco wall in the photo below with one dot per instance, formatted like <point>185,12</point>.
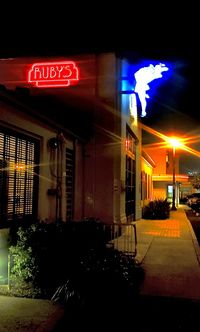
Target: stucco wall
<point>24,123</point>
<point>100,150</point>
<point>100,164</point>
<point>133,124</point>
<point>159,190</point>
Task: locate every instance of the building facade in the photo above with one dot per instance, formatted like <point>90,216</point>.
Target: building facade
<point>163,174</point>
<point>147,166</point>
<point>68,153</point>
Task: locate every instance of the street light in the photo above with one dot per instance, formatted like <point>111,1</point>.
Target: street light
<point>174,143</point>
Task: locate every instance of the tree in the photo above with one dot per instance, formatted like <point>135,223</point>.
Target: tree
<point>195,181</point>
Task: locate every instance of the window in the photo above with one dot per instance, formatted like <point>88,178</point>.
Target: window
<point>130,176</point>
<point>144,185</point>
<point>18,179</point>
<point>149,186</point>
<point>169,193</point>
<point>130,144</point>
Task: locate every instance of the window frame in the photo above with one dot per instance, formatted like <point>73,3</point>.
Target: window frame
<point>32,181</point>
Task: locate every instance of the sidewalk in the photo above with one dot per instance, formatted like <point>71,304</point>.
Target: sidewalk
<point>169,253</point>
<point>28,315</point>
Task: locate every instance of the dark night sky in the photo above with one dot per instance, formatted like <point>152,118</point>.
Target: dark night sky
<point>165,33</point>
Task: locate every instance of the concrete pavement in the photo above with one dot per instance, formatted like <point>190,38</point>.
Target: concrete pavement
<point>169,253</point>
<point>28,315</point>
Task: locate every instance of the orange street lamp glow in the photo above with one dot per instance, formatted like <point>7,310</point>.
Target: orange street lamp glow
<point>175,142</point>
<point>165,143</point>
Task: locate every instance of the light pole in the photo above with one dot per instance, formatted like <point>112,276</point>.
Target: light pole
<point>174,143</point>
<point>173,208</point>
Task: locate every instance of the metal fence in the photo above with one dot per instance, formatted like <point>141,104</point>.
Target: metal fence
<point>123,237</point>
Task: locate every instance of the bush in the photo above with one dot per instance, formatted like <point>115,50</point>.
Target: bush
<point>102,279</point>
<point>24,268</point>
<point>45,256</point>
<point>157,209</point>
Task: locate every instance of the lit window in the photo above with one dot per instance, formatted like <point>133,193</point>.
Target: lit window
<point>17,176</point>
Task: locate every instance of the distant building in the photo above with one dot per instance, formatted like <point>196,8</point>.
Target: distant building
<point>163,175</point>
<point>146,178</point>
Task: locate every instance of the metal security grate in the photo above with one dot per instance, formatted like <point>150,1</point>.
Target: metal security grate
<point>17,176</point>
<point>69,184</point>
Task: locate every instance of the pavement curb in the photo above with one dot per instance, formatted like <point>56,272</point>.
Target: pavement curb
<point>194,239</point>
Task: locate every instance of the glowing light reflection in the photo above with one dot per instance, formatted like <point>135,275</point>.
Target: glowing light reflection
<point>170,229</point>
<point>167,141</point>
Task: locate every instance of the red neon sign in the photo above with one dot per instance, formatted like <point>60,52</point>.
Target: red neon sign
<point>53,74</point>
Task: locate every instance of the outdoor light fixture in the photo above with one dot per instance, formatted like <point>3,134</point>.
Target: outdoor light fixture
<point>20,167</point>
<point>53,143</point>
<point>127,144</point>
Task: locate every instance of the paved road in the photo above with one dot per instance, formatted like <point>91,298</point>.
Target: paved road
<point>195,222</point>
<point>146,314</point>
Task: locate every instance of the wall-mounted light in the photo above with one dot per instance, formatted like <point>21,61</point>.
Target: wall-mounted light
<point>127,144</point>
<point>20,167</point>
<point>53,143</point>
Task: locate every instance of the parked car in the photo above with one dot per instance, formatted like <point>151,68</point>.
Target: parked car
<point>193,198</point>
<point>196,206</point>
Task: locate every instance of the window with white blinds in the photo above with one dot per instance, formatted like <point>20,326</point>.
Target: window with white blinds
<point>17,176</point>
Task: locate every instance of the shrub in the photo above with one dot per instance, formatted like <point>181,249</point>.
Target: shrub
<point>157,209</point>
<point>104,278</point>
<point>24,269</point>
<point>45,256</point>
